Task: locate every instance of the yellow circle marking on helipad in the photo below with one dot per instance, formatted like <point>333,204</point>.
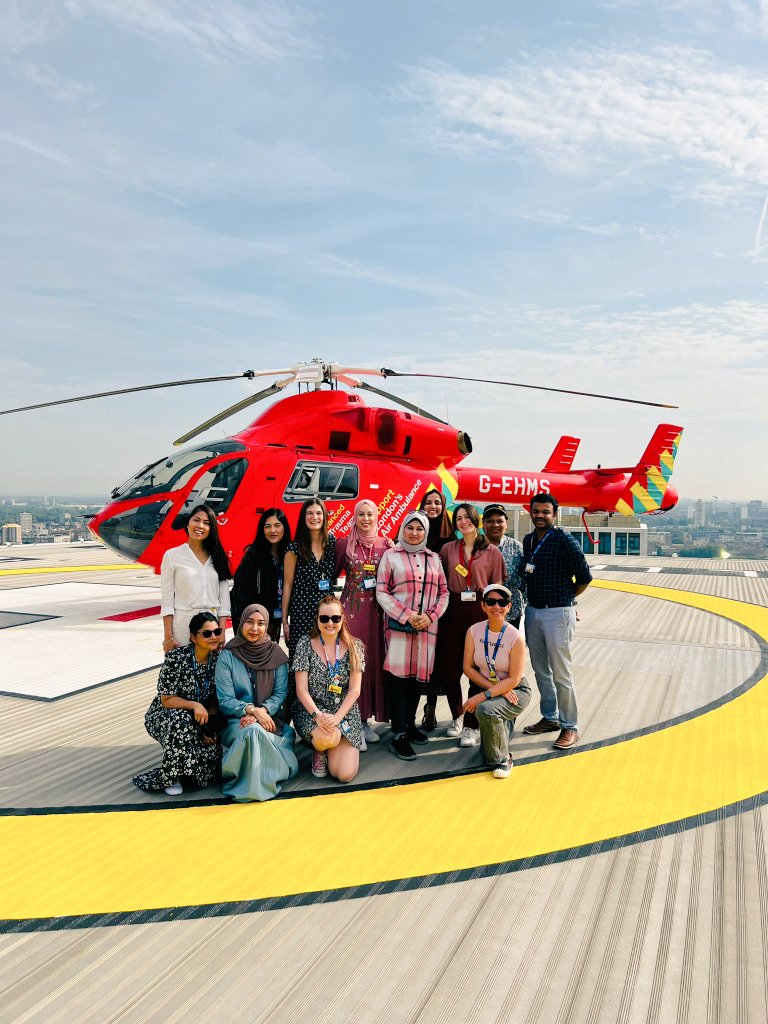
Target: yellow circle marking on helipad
<point>43,570</point>
<point>90,863</point>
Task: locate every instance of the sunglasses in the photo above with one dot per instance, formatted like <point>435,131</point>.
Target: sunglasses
<point>208,633</point>
<point>329,618</point>
<point>502,602</point>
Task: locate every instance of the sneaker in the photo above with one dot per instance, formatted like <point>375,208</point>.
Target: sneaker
<point>501,771</point>
<point>543,725</point>
<point>401,748</point>
<point>363,745</point>
<point>319,764</point>
<point>175,789</point>
<point>454,729</point>
<point>369,734</point>
<point>415,735</point>
<point>469,737</point>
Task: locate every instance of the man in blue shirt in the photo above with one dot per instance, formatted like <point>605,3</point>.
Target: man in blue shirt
<point>556,572</point>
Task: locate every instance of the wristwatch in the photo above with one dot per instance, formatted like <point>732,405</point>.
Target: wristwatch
<point>487,694</point>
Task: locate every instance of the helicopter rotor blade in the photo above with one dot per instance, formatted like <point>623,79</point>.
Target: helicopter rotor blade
<point>401,401</point>
<point>232,409</point>
<point>533,387</point>
<point>247,374</point>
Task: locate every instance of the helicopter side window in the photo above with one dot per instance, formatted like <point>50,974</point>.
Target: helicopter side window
<point>172,473</point>
<point>328,480</point>
<point>217,486</point>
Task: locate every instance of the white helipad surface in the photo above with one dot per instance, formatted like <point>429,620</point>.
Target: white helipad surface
<point>76,650</point>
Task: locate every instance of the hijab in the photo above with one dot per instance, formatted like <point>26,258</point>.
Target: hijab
<point>357,537</point>
<point>261,658</point>
<point>402,543</point>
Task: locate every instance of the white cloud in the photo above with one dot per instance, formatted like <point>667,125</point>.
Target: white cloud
<point>576,109</point>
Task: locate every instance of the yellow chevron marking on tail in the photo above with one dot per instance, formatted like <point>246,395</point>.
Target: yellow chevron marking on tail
<point>449,481</point>
<point>643,496</point>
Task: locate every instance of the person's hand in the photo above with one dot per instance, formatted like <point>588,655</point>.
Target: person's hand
<point>422,622</point>
<point>470,706</point>
<point>247,720</point>
<point>168,644</point>
<point>265,720</point>
<point>201,715</point>
<point>512,697</point>
<point>209,741</point>
<point>286,631</point>
<point>325,720</point>
<point>414,620</point>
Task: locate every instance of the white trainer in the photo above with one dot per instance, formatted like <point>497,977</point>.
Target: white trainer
<point>501,771</point>
<point>176,789</point>
<point>454,729</point>
<point>364,746</point>
<point>371,736</point>
<point>469,737</point>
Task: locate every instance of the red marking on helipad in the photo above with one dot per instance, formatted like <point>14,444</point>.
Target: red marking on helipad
<point>142,613</point>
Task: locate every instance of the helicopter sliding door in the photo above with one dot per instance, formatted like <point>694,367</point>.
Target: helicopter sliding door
<point>331,481</point>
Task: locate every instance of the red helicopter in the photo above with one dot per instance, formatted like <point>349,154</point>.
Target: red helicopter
<point>330,444</point>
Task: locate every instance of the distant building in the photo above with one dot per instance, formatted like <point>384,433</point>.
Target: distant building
<point>26,522</point>
<point>11,533</point>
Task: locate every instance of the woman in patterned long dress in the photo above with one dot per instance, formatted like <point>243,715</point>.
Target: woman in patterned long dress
<point>309,574</point>
<point>183,716</point>
<point>259,577</point>
<point>440,534</point>
<point>412,591</point>
<point>252,683</point>
<point>329,665</point>
<point>358,556</point>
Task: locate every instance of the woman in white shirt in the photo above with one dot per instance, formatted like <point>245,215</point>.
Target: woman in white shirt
<point>194,577</point>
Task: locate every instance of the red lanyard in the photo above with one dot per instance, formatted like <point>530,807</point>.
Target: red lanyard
<point>464,564</point>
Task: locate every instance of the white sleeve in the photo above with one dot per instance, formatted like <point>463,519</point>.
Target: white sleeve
<point>167,588</point>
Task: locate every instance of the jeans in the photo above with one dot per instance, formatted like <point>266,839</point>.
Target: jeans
<point>548,633</point>
<point>493,716</point>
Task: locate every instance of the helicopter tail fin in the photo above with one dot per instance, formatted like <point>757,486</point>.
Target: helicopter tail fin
<point>561,459</point>
<point>649,482</point>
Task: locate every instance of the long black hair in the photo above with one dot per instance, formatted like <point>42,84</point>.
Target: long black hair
<point>212,543</point>
<point>481,541</point>
<point>199,619</point>
<point>259,552</point>
<point>303,536</point>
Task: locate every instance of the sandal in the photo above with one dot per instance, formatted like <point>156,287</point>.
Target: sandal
<point>429,720</point>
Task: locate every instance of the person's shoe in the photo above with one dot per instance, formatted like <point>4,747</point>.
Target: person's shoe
<point>370,735</point>
<point>543,725</point>
<point>414,735</point>
<point>175,789</point>
<point>568,738</point>
<point>401,748</point>
<point>429,718</point>
<point>363,745</point>
<point>501,771</point>
<point>454,729</point>
<point>319,764</point>
<point>469,737</point>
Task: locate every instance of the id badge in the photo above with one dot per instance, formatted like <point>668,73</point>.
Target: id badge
<point>468,595</point>
<point>324,585</point>
<point>369,567</point>
<point>277,613</point>
<point>462,571</point>
<point>530,567</point>
<point>369,583</point>
<point>493,678</point>
<point>334,688</point>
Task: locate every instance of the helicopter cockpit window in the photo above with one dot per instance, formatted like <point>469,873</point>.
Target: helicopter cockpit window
<point>172,473</point>
<point>326,480</point>
<point>216,487</point>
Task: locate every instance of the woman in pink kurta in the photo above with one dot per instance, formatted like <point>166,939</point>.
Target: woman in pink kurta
<point>358,556</point>
<point>412,591</point>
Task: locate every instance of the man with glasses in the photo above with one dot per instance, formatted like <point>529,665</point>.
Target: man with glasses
<point>556,572</point>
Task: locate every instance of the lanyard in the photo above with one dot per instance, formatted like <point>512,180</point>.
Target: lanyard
<point>333,673</point>
<point>491,662</point>
<point>279,568</point>
<point>545,537</point>
<point>201,672</point>
<point>462,560</point>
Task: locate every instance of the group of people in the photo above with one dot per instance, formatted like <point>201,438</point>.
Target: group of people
<point>446,599</point>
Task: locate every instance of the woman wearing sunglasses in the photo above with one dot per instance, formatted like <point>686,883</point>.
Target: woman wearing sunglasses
<point>184,716</point>
<point>494,660</point>
<point>329,666</point>
<point>252,683</point>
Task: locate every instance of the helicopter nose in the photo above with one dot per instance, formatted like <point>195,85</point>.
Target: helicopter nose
<point>131,531</point>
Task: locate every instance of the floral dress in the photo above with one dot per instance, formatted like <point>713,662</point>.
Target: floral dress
<point>308,579</point>
<point>308,660</point>
<point>185,754</point>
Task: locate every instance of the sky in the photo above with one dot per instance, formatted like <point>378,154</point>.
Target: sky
<point>570,194</point>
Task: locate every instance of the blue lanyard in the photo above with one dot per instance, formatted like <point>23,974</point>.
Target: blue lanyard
<point>279,578</point>
<point>491,662</point>
<point>197,673</point>
<point>545,537</point>
<point>333,673</point>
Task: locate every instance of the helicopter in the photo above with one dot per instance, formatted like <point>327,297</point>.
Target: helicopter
<point>328,443</point>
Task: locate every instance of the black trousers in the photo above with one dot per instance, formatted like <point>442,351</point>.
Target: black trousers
<point>404,695</point>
